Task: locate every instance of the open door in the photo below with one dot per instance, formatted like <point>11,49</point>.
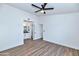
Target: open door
<point>41,31</point>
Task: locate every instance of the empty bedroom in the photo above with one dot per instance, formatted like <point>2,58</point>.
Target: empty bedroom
<point>39,29</point>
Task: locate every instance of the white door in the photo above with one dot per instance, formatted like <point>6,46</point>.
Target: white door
<point>41,30</point>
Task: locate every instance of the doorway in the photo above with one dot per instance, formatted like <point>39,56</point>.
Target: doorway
<point>28,30</point>
<point>41,31</point>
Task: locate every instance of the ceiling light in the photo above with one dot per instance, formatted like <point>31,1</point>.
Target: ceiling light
<point>42,11</point>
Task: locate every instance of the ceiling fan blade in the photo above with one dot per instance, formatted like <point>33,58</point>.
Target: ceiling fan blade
<point>48,8</point>
<point>37,11</point>
<point>44,5</point>
<point>36,6</point>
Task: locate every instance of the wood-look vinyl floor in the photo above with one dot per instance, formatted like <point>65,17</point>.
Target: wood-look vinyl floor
<point>40,48</point>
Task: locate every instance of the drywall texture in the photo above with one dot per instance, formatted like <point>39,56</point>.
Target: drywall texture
<point>62,29</point>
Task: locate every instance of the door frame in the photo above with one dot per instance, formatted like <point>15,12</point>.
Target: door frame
<point>32,30</point>
<point>41,29</point>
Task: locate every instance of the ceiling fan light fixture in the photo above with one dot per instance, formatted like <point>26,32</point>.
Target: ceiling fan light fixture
<point>42,11</point>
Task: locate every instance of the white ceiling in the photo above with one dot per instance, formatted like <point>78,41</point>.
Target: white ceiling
<point>58,7</point>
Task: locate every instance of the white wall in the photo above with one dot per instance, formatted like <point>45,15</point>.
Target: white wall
<point>62,29</point>
<point>11,26</point>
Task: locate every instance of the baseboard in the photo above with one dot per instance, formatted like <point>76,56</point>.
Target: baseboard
<point>11,47</point>
<point>38,39</point>
<point>65,45</point>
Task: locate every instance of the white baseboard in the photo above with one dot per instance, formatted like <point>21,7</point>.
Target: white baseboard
<point>18,44</point>
<point>66,45</point>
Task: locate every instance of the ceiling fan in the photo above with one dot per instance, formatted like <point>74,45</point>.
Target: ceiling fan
<point>42,8</point>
